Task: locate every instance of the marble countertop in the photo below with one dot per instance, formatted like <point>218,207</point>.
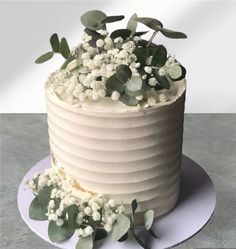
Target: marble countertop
<point>209,139</point>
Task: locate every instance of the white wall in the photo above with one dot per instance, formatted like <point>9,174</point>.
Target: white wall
<point>209,53</point>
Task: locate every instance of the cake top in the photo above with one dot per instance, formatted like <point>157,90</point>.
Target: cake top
<point>119,66</point>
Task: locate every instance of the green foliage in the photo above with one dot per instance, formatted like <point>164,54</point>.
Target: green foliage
<point>141,243</point>
<point>44,197</point>
<point>55,44</point>
<point>150,22</point>
<point>148,219</point>
<point>172,34</point>
<point>124,33</point>
<point>72,214</point>
<point>113,84</point>
<point>121,226</point>
<point>142,54</point>
<point>35,211</point>
<point>100,234</point>
<point>110,19</point>
<point>134,86</point>
<point>59,233</point>
<point>128,100</point>
<point>123,73</point>
<point>177,72</point>
<point>132,24</point>
<point>64,48</point>
<point>85,243</point>
<point>45,57</point>
<point>66,62</point>
<point>159,57</point>
<point>93,19</point>
<point>140,33</point>
<point>124,237</point>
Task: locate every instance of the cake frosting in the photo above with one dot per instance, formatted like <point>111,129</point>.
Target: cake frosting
<point>120,151</point>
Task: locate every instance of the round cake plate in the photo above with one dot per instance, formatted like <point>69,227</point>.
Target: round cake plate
<point>193,210</point>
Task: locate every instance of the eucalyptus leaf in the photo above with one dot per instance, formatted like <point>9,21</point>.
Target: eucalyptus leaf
<point>110,19</point>
<point>175,72</point>
<point>150,22</point>
<point>44,197</point>
<point>55,44</point>
<point>121,226</point>
<point>163,82</point>
<point>148,219</point>
<point>134,86</point>
<point>128,100</point>
<point>159,57</point>
<point>140,33</point>
<point>113,84</point>
<point>93,19</point>
<point>64,48</point>
<point>132,24</point>
<point>123,73</point>
<point>72,214</point>
<point>85,243</point>
<point>172,34</point>
<point>35,211</point>
<point>59,233</point>
<point>124,33</point>
<point>100,234</point>
<point>142,54</point>
<point>45,57</point>
<point>123,238</point>
<point>141,243</point>
<point>95,35</point>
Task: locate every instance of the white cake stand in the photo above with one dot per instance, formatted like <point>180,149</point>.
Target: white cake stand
<point>193,210</point>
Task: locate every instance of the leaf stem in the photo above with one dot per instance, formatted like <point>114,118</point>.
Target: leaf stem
<point>153,36</point>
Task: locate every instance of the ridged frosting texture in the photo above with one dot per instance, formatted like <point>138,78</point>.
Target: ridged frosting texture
<point>126,156</point>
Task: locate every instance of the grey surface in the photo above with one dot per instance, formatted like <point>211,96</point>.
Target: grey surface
<point>209,139</point>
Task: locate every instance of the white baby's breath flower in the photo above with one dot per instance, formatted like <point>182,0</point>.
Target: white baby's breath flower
<point>60,222</point>
<point>31,184</point>
<point>88,211</point>
<point>112,203</point>
<point>137,38</point>
<point>120,209</point>
<point>85,55</point>
<point>102,93</point>
<point>118,39</point>
<point>151,101</point>
<point>82,97</point>
<point>96,216</point>
<point>104,32</point>
<point>148,69</point>
<point>87,38</point>
<point>79,218</point>
<point>108,40</point>
<point>53,217</point>
<point>152,81</point>
<point>108,227</point>
<point>115,96</point>
<point>99,43</point>
<point>88,231</point>
<point>162,72</point>
<point>163,98</point>
<point>59,212</point>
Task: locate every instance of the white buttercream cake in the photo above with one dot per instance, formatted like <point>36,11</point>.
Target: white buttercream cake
<point>115,117</point>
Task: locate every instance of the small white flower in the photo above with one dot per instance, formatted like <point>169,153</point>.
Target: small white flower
<point>151,101</point>
<point>137,38</point>
<point>152,82</point>
<point>120,209</point>
<point>108,227</point>
<point>60,222</point>
<point>53,217</point>
<point>88,211</point>
<point>59,212</point>
<point>148,69</point>
<point>112,203</point>
<point>82,97</point>
<point>96,216</point>
<point>172,59</point>
<point>102,93</point>
<point>88,231</point>
<point>144,77</point>
<point>31,184</point>
<point>163,98</point>
<point>87,38</point>
<point>162,72</point>
<point>99,43</point>
<point>95,206</point>
<point>81,232</point>
<point>118,39</point>
<point>85,55</point>
<point>108,41</point>
<point>51,204</point>
<point>104,33</point>
<point>79,218</point>
<point>115,96</point>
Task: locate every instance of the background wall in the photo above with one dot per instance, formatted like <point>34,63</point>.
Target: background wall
<point>209,53</point>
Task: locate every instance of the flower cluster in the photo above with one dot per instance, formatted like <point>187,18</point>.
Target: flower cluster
<point>91,210</point>
<point>86,75</point>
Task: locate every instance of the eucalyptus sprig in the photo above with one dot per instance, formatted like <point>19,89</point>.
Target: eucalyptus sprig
<point>57,46</point>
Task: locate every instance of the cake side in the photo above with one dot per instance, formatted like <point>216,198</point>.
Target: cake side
<point>124,157</point>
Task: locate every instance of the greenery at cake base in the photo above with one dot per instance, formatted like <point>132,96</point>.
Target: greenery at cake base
<point>91,216</point>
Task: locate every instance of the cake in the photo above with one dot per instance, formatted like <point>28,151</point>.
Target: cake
<point>115,113</point>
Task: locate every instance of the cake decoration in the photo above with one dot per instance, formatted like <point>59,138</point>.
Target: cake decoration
<point>119,72</point>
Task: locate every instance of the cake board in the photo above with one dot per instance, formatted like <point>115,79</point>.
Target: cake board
<point>193,210</point>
